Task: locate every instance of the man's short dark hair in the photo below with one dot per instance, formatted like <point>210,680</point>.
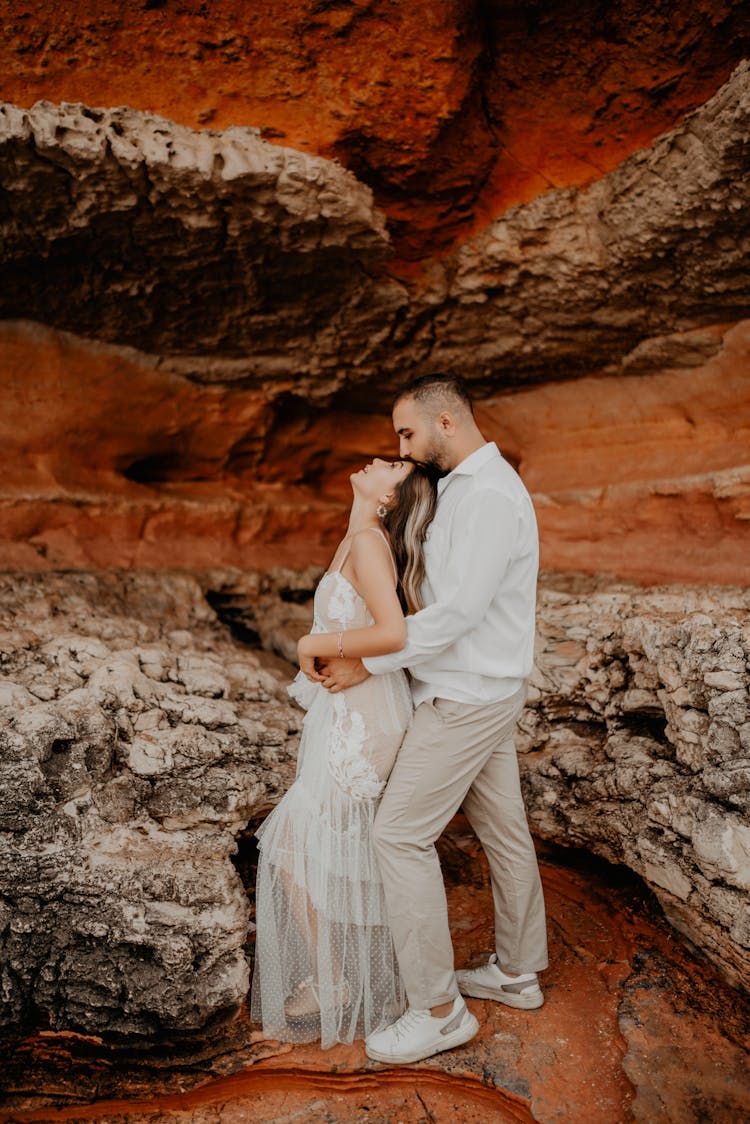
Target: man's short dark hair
<point>436,389</point>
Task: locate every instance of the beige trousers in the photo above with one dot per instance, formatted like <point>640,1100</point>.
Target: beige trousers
<point>454,754</point>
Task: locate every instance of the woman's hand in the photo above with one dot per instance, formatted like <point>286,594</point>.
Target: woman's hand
<point>306,659</point>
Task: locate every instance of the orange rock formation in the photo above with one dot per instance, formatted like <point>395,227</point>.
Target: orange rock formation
<point>200,335</point>
<point>112,461</point>
<point>451,112</point>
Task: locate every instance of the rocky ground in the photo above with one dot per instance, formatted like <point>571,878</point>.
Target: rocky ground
<point>633,1029</point>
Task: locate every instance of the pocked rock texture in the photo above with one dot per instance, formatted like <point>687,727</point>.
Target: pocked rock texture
<point>636,745</point>
<point>137,741</point>
<point>201,241</point>
<point>181,236</point>
<point>450,112</point>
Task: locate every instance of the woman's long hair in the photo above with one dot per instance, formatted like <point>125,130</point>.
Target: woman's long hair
<point>406,523</point>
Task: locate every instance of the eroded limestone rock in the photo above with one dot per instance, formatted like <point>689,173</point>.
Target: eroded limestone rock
<point>140,211</point>
<point>126,226</point>
<point>636,745</point>
<point>582,279</point>
<point>137,740</point>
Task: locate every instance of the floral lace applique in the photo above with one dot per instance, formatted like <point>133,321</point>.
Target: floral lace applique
<point>341,607</point>
<point>348,765</point>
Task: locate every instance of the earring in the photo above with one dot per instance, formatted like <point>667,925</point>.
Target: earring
<point>381,511</point>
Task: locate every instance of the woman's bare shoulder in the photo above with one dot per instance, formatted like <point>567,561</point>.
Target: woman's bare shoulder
<point>365,543</point>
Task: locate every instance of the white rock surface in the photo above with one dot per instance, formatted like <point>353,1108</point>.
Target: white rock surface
<point>137,739</point>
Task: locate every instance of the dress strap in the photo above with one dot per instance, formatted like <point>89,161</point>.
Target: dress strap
<point>389,548</point>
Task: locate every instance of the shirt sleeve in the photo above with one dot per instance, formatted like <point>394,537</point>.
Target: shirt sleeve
<point>483,540</point>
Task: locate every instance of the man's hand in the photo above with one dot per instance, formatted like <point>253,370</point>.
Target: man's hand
<point>336,675</point>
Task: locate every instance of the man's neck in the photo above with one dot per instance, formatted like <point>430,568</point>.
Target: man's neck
<point>466,448</point>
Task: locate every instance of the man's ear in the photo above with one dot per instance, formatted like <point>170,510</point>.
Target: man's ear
<point>446,423</point>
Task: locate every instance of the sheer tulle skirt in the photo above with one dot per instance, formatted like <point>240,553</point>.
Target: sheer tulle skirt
<point>321,915</point>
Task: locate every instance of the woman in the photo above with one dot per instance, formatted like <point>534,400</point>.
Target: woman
<point>325,966</point>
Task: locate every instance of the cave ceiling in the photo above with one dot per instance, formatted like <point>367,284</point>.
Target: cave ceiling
<point>374,187</point>
<point>124,227</point>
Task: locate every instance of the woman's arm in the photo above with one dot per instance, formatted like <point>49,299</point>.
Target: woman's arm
<point>373,578</point>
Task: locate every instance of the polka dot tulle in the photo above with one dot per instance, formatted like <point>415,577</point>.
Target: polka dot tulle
<point>325,964</point>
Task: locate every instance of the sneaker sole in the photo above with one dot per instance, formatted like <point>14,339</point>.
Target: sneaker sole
<point>510,999</point>
<point>462,1034</point>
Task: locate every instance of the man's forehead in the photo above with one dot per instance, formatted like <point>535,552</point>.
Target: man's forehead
<point>405,413</point>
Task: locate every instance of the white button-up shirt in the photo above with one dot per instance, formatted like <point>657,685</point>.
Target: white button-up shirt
<point>474,641</point>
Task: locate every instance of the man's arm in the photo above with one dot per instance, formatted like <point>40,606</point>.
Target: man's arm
<point>483,540</point>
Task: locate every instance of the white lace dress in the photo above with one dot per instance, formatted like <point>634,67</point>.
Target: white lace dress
<point>320,911</point>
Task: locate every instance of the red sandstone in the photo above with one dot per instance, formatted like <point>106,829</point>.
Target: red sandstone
<point>646,477</point>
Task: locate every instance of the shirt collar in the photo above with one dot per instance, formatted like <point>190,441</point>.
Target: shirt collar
<point>470,465</point>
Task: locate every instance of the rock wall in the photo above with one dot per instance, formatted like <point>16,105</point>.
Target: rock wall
<point>195,247</point>
<point>137,740</point>
<point>116,459</point>
<point>128,227</point>
<point>636,745</point>
<point>202,243</point>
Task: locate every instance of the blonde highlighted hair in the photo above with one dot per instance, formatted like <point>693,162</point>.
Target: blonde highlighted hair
<point>407,522</point>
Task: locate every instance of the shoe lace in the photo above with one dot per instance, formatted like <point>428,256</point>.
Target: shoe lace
<point>407,1022</point>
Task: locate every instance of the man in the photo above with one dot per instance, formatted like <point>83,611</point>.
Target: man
<point>469,652</point>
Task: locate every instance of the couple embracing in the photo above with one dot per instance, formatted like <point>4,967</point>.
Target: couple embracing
<point>436,575</point>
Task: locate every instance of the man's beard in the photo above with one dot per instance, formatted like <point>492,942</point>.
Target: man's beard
<point>435,458</point>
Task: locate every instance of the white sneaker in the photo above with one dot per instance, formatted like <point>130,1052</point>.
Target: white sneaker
<point>418,1034</point>
<point>490,982</point>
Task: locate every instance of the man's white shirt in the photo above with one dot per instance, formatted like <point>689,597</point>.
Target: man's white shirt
<point>474,641</point>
